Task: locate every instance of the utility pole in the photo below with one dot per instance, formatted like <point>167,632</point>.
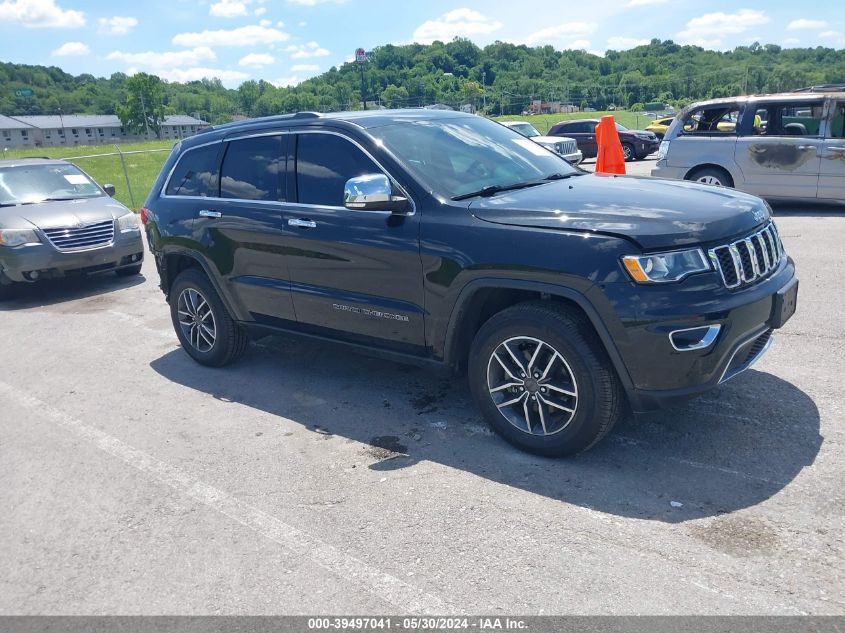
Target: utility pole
<point>484,88</point>
<point>361,59</point>
<point>62,122</point>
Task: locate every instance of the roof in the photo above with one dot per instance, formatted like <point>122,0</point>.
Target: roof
<point>784,96</point>
<point>8,123</point>
<point>55,122</point>
<point>19,162</point>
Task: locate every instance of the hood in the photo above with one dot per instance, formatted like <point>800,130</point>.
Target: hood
<point>654,212</point>
<point>551,139</point>
<point>61,213</point>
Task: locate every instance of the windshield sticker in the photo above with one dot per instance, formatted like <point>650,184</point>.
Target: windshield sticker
<point>77,179</point>
<point>531,146</point>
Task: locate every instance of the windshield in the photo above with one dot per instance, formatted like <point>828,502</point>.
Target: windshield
<point>456,156</point>
<point>526,129</point>
<point>27,184</point>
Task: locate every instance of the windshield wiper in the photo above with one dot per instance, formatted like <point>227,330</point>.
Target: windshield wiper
<point>563,176</point>
<point>489,190</point>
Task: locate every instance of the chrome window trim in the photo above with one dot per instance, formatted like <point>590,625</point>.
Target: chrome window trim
<point>393,180</point>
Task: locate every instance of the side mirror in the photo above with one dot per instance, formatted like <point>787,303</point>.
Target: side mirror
<point>109,189</point>
<point>373,192</point>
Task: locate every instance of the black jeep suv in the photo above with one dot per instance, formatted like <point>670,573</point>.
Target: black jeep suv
<point>445,237</point>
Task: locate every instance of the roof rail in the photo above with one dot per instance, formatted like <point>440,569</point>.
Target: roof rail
<point>273,117</point>
<point>822,88</point>
<point>306,115</point>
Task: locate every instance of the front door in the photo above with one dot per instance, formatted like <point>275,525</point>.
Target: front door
<point>832,176</point>
<point>780,155</point>
<point>352,272</point>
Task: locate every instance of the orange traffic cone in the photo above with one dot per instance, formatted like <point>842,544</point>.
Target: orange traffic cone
<point>610,160</point>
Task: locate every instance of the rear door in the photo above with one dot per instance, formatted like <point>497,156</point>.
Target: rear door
<point>241,229</point>
<point>584,132</point>
<point>779,152</point>
<point>354,274</point>
<point>832,174</point>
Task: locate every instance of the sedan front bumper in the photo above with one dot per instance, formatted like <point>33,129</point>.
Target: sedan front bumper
<point>43,261</point>
<point>574,158</point>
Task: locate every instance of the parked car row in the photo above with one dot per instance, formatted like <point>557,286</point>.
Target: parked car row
<point>636,144</point>
<point>444,239</point>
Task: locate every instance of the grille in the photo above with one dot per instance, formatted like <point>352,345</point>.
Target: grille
<point>567,147</point>
<point>82,237</point>
<point>750,259</point>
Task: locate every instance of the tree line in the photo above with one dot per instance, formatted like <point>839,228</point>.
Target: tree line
<point>500,78</point>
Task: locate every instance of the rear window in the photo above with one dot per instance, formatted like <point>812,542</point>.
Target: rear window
<point>253,169</point>
<point>195,173</point>
<point>718,120</point>
<point>789,119</point>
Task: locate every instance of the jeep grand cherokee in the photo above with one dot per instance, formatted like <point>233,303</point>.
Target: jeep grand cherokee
<point>447,238</point>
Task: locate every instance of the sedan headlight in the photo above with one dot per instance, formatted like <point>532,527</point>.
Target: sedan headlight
<point>18,237</point>
<point>664,267</point>
<point>128,223</point>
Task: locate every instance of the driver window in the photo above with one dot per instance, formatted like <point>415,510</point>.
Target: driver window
<point>324,162</point>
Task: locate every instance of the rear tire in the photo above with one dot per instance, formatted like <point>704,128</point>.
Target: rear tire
<point>575,401</point>
<point>711,176</point>
<point>128,272</point>
<point>205,328</point>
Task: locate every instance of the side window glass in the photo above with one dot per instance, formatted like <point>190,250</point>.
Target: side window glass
<point>196,173</point>
<point>253,169</point>
<point>794,119</point>
<point>324,162</point>
<point>590,128</point>
<point>718,120</point>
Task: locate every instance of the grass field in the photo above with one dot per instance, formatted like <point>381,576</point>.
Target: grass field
<point>543,122</point>
<point>141,168</point>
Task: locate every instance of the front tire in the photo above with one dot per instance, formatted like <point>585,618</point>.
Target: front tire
<point>205,328</point>
<point>542,380</point>
<point>628,152</point>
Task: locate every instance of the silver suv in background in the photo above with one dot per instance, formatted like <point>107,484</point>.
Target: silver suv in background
<point>775,146</point>
<point>562,145</point>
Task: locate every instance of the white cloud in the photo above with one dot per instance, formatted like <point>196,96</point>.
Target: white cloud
<point>829,34</point>
<point>791,41</point>
<point>71,49</point>
<point>304,68</point>
<point>265,23</point>
<point>230,78</point>
<point>227,9</point>
<point>579,45</point>
<point>167,59</point>
<point>257,60</point>
<point>458,22</point>
<point>624,43</point>
<point>642,3</point>
<point>286,82</point>
<point>314,3</point>
<point>554,34</point>
<point>243,36</point>
<point>40,14</point>
<point>117,25</point>
<point>260,11</point>
<point>803,23</point>
<point>707,30</point>
<point>302,24</point>
<point>304,51</point>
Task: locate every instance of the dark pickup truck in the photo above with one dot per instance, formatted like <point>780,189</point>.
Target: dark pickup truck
<point>447,239</point>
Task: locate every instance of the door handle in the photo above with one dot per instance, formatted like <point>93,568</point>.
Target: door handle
<point>806,147</point>
<point>209,213</point>
<point>302,223</point>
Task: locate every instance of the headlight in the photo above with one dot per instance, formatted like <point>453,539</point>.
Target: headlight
<point>128,223</point>
<point>662,150</point>
<point>644,135</point>
<point>18,237</point>
<point>663,267</point>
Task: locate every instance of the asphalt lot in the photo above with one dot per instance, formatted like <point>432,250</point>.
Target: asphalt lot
<point>307,479</point>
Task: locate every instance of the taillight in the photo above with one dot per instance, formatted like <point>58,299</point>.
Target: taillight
<point>145,215</point>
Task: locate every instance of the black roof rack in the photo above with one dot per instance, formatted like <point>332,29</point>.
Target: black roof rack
<point>822,88</point>
<point>273,117</point>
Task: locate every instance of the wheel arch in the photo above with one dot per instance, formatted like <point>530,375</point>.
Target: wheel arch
<point>716,166</point>
<point>174,261</point>
<point>482,298</point>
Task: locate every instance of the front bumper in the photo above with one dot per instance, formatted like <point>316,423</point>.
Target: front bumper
<point>43,261</point>
<point>663,170</point>
<point>574,158</point>
<point>661,374</point>
<point>644,148</point>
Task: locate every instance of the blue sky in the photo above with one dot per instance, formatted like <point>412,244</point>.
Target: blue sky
<point>286,41</point>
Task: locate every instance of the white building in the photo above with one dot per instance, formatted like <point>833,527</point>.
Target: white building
<point>84,129</point>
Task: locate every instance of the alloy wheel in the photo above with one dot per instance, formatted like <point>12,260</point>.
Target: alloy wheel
<point>196,320</point>
<point>532,385</point>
